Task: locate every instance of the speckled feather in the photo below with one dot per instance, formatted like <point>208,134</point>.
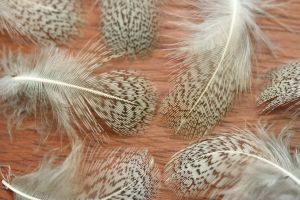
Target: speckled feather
<point>57,88</point>
<point>217,64</point>
<point>41,21</point>
<point>283,88</point>
<point>129,26</point>
<point>128,174</point>
<point>236,166</point>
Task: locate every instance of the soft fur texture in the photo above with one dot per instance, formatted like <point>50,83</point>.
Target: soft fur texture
<point>129,26</point>
<point>217,61</point>
<point>128,174</point>
<point>283,88</point>
<point>41,21</point>
<point>236,166</point>
<point>58,88</point>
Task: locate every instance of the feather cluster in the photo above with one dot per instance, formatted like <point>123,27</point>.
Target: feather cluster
<point>128,26</point>
<point>217,61</point>
<point>236,166</point>
<point>124,174</point>
<point>283,88</point>
<point>41,21</point>
<point>60,89</point>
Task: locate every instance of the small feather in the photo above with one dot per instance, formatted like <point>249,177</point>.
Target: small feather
<point>60,89</point>
<point>283,88</point>
<point>129,26</point>
<point>123,174</point>
<point>236,166</point>
<point>41,21</point>
<point>217,61</point>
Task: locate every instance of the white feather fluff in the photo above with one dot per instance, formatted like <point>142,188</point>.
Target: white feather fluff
<point>217,60</point>
<point>236,166</point>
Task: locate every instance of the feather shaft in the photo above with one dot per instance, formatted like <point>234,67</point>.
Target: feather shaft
<point>63,84</point>
<point>18,192</point>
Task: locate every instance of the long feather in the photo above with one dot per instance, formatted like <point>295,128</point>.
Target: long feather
<point>123,174</point>
<point>283,88</point>
<point>129,26</point>
<point>217,61</point>
<point>41,21</point>
<point>53,80</point>
<point>236,166</point>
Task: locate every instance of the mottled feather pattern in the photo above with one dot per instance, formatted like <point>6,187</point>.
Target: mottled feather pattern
<point>126,118</point>
<point>283,87</point>
<point>216,58</point>
<point>207,165</point>
<point>128,174</point>
<point>129,26</point>
<point>131,175</point>
<point>236,166</point>
<point>53,81</point>
<point>41,21</point>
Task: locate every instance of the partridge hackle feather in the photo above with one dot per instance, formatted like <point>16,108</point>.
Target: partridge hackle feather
<point>283,88</point>
<point>123,174</point>
<point>57,88</point>
<point>217,62</point>
<point>236,166</point>
<point>129,26</point>
<point>41,21</point>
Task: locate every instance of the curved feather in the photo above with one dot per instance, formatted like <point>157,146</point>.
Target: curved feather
<point>129,26</point>
<point>283,88</point>
<point>217,58</point>
<point>58,88</point>
<point>236,166</point>
<point>123,174</point>
<point>41,21</point>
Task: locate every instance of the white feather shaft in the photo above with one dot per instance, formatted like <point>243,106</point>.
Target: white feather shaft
<point>60,83</point>
<point>7,185</point>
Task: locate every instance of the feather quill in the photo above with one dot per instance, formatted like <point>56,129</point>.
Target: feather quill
<point>129,26</point>
<point>60,89</point>
<point>236,166</point>
<point>41,21</point>
<point>124,174</point>
<point>283,88</point>
<point>217,60</point>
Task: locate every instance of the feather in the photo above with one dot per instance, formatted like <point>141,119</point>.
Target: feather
<point>60,89</point>
<point>236,166</point>
<point>283,88</point>
<point>124,174</point>
<point>41,21</point>
<point>217,61</point>
<point>128,26</point>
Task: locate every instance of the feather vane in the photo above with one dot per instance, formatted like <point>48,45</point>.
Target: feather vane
<point>217,59</point>
<point>129,27</point>
<point>283,88</point>
<point>236,166</point>
<point>40,21</point>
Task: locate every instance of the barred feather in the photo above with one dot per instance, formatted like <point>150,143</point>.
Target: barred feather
<point>124,174</point>
<point>58,88</point>
<point>41,21</point>
<point>129,26</point>
<point>283,88</point>
<point>217,61</point>
<point>236,166</point>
